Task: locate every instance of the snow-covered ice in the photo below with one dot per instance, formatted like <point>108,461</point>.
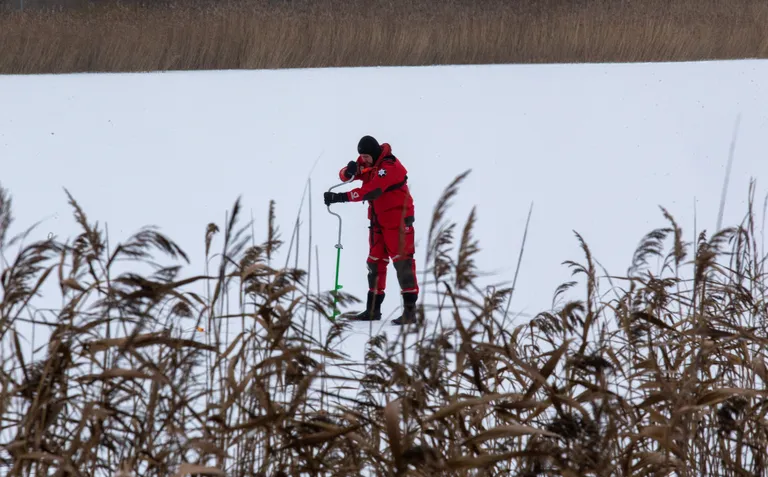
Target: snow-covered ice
<point>596,148</point>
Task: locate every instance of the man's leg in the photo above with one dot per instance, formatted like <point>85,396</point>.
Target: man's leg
<point>402,240</point>
<point>377,262</point>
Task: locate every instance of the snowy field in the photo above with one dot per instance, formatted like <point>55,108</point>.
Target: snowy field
<point>595,148</point>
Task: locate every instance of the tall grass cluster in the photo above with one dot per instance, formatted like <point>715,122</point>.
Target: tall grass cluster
<point>255,34</point>
<point>663,373</point>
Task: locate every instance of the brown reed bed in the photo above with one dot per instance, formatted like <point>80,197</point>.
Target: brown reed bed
<point>328,33</point>
<point>665,376</point>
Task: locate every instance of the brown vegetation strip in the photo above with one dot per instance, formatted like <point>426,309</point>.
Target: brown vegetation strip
<point>271,34</point>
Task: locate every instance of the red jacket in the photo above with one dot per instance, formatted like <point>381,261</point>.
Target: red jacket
<point>385,188</point>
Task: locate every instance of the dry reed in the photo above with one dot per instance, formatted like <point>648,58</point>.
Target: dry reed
<point>668,376</point>
<point>329,33</point>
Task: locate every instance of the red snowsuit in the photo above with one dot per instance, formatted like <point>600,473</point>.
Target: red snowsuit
<point>391,212</point>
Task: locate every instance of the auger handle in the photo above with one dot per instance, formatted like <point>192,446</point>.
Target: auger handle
<point>338,246</point>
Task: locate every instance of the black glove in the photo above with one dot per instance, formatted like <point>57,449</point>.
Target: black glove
<point>351,170</point>
<point>333,197</point>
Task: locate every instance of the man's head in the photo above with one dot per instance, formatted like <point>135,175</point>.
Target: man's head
<point>369,149</point>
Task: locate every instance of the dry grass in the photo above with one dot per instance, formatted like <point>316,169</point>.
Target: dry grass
<point>665,376</point>
<point>274,34</point>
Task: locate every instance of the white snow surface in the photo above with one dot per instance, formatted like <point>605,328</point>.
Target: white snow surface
<point>596,149</point>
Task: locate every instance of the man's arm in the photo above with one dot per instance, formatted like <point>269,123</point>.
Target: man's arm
<point>345,176</point>
<point>389,174</point>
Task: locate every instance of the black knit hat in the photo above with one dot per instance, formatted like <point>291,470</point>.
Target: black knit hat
<point>369,145</point>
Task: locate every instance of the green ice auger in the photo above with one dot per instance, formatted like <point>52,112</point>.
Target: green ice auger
<point>337,286</point>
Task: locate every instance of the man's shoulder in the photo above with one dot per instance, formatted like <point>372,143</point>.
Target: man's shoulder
<point>389,159</point>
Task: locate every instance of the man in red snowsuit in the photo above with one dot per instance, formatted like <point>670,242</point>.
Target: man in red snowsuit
<point>391,213</point>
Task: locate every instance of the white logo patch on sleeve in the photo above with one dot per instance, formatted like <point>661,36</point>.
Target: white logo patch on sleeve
<point>382,173</point>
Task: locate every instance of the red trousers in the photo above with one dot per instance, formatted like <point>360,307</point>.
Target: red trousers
<point>396,244</point>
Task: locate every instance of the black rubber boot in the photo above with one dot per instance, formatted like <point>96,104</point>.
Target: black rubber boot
<point>372,310</point>
<point>409,310</point>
